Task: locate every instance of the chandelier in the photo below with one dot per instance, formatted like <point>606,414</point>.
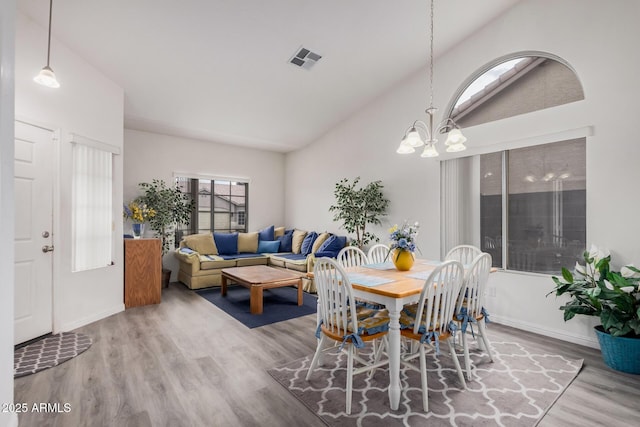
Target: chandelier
<point>421,133</point>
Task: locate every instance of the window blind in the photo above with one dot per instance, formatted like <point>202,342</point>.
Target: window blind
<point>92,207</point>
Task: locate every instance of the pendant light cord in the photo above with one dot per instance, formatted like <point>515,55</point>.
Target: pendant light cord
<point>430,59</point>
<point>49,43</point>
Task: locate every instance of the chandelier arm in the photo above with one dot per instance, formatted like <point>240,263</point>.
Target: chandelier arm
<point>419,125</point>
<point>447,125</point>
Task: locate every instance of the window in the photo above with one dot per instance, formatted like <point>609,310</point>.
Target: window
<point>220,205</point>
<point>545,206</point>
<point>525,206</point>
<point>517,85</point>
<point>92,207</point>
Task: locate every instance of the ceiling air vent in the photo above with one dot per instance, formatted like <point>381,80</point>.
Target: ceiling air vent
<point>304,58</point>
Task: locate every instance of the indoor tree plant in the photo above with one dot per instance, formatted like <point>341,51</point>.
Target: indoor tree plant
<point>171,207</point>
<point>357,207</point>
<point>613,296</point>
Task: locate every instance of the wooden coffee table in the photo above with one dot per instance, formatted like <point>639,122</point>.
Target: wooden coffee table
<point>257,278</point>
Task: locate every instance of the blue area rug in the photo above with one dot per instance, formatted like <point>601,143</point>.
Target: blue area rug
<point>279,304</point>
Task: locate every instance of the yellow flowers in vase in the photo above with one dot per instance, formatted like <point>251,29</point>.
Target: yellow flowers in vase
<point>138,213</point>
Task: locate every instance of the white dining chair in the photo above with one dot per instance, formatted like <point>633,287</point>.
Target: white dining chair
<point>345,323</point>
<point>463,253</point>
<point>470,307</point>
<point>378,253</point>
<point>429,322</point>
<point>351,256</point>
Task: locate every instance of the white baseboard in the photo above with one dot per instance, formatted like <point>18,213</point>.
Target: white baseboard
<point>90,319</point>
<point>553,333</point>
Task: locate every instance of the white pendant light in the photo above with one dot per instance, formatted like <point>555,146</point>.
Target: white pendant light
<point>412,137</point>
<point>429,151</point>
<point>46,76</point>
<point>405,148</point>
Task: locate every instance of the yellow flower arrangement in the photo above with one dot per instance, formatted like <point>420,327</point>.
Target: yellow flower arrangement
<point>138,212</point>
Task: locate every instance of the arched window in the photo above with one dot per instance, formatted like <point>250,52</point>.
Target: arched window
<point>525,205</point>
<point>514,85</point>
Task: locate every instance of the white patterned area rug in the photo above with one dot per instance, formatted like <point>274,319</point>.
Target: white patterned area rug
<point>516,390</point>
<point>48,352</point>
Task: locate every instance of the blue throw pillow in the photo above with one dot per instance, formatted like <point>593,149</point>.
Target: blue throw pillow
<point>227,243</point>
<point>268,246</point>
<point>266,234</point>
<point>333,244</point>
<point>307,243</point>
<point>286,242</point>
<point>329,254</point>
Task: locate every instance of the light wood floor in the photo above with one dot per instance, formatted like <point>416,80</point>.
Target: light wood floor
<point>186,363</point>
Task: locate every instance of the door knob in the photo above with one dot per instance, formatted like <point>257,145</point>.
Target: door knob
<point>45,234</point>
<point>47,248</point>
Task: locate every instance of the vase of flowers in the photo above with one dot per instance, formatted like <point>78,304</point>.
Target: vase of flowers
<point>596,289</point>
<point>138,213</point>
<point>403,245</point>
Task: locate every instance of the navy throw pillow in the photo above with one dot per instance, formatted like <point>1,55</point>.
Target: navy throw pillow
<point>227,243</point>
<point>307,243</point>
<point>333,244</point>
<point>266,234</point>
<point>286,242</point>
<point>268,246</point>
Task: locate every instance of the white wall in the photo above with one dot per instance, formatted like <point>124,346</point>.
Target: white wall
<point>89,104</point>
<point>152,156</point>
<point>599,41</point>
<point>7,13</point>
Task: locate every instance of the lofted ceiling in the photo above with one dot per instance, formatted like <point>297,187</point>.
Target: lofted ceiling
<point>218,70</point>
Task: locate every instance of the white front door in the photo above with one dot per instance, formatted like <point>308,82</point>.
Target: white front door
<point>33,187</point>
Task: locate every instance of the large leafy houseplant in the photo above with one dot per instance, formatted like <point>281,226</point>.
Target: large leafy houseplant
<point>171,206</point>
<point>356,207</point>
<point>597,290</point>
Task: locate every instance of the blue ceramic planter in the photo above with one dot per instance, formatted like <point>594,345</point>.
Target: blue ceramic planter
<point>619,353</point>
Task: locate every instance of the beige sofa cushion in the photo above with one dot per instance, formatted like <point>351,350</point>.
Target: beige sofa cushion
<point>201,243</point>
<point>296,243</point>
<point>212,262</point>
<point>319,241</point>
<point>277,232</point>
<point>248,242</point>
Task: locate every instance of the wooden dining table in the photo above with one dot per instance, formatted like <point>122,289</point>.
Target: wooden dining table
<point>400,288</point>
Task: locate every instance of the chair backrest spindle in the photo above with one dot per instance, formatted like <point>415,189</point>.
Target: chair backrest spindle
<point>463,253</point>
<point>351,256</point>
<point>438,297</point>
<point>378,253</point>
<point>335,296</point>
<point>474,285</point>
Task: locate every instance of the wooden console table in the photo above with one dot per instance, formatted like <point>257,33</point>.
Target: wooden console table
<point>142,272</point>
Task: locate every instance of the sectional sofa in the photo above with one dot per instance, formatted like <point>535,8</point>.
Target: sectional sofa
<point>203,256</point>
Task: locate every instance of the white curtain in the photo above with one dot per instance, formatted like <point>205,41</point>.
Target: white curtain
<point>460,203</point>
<point>92,207</point>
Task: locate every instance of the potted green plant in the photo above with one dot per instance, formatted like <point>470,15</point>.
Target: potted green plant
<point>171,206</point>
<point>613,296</point>
<point>357,207</point>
